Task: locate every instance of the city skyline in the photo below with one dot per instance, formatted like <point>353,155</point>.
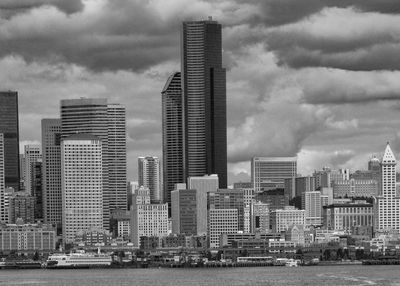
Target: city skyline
<point>355,67</point>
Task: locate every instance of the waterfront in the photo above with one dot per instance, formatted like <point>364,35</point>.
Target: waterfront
<point>271,276</point>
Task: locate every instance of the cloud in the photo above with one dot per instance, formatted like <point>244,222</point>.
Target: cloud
<point>370,40</point>
<point>13,7</point>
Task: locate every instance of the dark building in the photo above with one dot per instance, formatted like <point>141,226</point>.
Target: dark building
<point>172,136</point>
<point>204,101</point>
<point>21,206</point>
<point>275,198</point>
<point>9,127</point>
<point>184,212</point>
<point>36,186</point>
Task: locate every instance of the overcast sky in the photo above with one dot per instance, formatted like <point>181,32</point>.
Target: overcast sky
<point>316,79</point>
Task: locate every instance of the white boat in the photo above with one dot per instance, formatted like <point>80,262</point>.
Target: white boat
<point>78,260</point>
<point>292,263</point>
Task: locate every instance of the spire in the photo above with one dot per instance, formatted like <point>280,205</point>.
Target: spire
<point>388,156</point>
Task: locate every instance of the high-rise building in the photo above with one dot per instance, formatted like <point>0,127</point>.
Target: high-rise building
<point>32,153</point>
<point>228,199</point>
<point>82,184</point>
<point>355,188</point>
<point>3,210</point>
<point>270,172</point>
<point>21,172</point>
<point>51,173</point>
<point>202,185</point>
<point>107,122</point>
<point>388,203</point>
<point>204,101</point>
<point>149,176</point>
<point>221,221</point>
<point>311,203</point>
<point>9,128</point>
<point>147,219</point>
<point>172,135</point>
<point>37,190</point>
<point>282,219</point>
<point>184,211</point>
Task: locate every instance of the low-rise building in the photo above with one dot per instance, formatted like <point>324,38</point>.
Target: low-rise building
<point>27,237</point>
<point>282,219</point>
<point>355,188</point>
<point>221,221</point>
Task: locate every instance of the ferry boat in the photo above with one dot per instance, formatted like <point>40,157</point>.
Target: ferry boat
<point>292,263</point>
<point>79,260</point>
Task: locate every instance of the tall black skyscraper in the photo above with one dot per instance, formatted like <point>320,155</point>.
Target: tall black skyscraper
<point>172,135</point>
<point>204,101</point>
<point>9,129</point>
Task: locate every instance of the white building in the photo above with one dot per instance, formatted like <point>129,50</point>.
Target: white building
<point>147,219</point>
<point>32,154</point>
<point>202,185</point>
<point>221,221</point>
<point>282,219</point>
<point>82,184</point>
<point>312,205</point>
<point>388,203</point>
<point>259,217</point>
<point>149,176</point>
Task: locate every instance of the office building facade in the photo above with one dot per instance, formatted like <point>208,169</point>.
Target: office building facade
<point>172,135</point>
<point>107,122</point>
<point>388,203</point>
<point>51,172</point>
<point>81,184</point>
<point>202,185</point>
<point>204,101</point>
<point>9,127</point>
<point>282,219</point>
<point>149,176</point>
<point>270,172</point>
<point>184,210</point>
<point>32,153</point>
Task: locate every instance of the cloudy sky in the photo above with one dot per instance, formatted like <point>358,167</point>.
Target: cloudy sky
<point>316,79</point>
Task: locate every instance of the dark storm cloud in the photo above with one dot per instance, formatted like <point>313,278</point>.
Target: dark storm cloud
<point>17,6</point>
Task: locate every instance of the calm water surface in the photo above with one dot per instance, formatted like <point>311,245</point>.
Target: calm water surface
<point>274,276</point>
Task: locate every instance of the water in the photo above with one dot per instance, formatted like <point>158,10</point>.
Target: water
<point>271,276</point>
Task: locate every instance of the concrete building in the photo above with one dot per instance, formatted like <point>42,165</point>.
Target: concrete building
<point>221,221</point>
<point>27,237</point>
<point>204,101</point>
<point>202,185</point>
<point>32,153</point>
<point>274,198</point>
<point>270,172</point>
<point>388,203</point>
<point>149,176</point>
<point>107,122</point>
<point>282,219</point>
<point>120,224</point>
<point>172,136</point>
<point>228,199</point>
<point>312,206</point>
<point>348,216</point>
<point>148,219</point>
<point>82,184</point>
<point>9,127</point>
<point>51,180</point>
<point>184,210</point>
<point>355,188</point>
<point>21,206</point>
<point>92,237</point>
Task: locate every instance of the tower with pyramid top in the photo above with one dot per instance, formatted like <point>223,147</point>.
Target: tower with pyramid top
<point>388,203</point>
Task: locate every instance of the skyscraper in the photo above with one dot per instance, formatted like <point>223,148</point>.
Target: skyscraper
<point>388,203</point>
<point>106,122</point>
<point>3,211</point>
<point>51,173</point>
<point>82,184</point>
<point>10,131</point>
<point>172,136</point>
<point>149,176</point>
<point>32,154</point>
<point>204,101</point>
<point>270,172</point>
